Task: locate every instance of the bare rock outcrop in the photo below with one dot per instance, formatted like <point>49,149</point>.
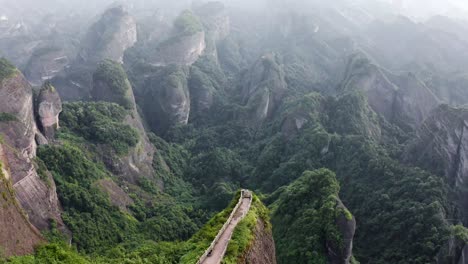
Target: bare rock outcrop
<point>166,99</point>
<point>180,50</point>
<point>44,64</point>
<point>185,44</point>
<point>263,89</point>
<point>108,38</point>
<point>403,100</point>
<point>262,249</point>
<point>17,235</point>
<point>49,107</point>
<point>19,129</point>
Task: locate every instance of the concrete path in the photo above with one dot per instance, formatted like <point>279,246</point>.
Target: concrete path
<point>218,251</point>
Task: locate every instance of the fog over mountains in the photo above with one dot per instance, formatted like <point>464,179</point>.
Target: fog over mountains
<point>127,127</point>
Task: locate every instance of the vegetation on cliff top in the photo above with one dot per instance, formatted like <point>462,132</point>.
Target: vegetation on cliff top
<point>304,218</point>
<point>6,69</point>
<point>112,74</point>
<point>187,23</point>
<point>101,123</point>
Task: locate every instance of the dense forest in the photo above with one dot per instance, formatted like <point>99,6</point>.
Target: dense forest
<point>130,135</point>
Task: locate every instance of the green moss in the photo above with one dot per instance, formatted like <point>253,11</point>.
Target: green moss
<point>6,69</point>
<point>7,117</point>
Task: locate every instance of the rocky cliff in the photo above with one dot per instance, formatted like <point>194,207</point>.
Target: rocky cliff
<point>180,50</point>
<point>263,88</point>
<point>403,100</point>
<point>45,63</point>
<point>185,44</point>
<point>109,37</point>
<point>110,83</point>
<point>17,235</point>
<point>48,109</point>
<point>262,248</point>
<point>342,253</point>
<point>166,98</point>
<point>19,130</point>
<point>441,146</point>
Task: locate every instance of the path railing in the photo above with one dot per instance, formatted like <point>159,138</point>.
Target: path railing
<point>226,224</point>
<point>240,219</point>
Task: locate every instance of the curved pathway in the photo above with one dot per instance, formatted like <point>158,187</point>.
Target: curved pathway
<point>219,249</point>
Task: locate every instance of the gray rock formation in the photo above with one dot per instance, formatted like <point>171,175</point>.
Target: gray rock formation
<point>403,100</point>
<point>44,64</point>
<point>49,107</point>
<point>180,50</point>
<point>17,235</point>
<point>262,250</point>
<point>185,44</point>
<point>166,99</point>
<point>109,37</point>
<point>38,199</point>
<point>263,89</point>
<point>441,146</point>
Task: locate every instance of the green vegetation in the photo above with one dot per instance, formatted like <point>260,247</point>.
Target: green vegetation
<point>101,123</point>
<point>304,218</point>
<point>112,74</point>
<point>187,23</point>
<point>7,117</point>
<point>95,223</point>
<point>460,232</point>
<point>244,234</point>
<point>6,69</point>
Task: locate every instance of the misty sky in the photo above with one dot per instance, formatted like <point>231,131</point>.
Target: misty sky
<point>418,9</point>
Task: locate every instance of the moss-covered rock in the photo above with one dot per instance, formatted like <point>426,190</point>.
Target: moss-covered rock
<point>310,223</point>
<point>110,84</point>
<point>6,69</point>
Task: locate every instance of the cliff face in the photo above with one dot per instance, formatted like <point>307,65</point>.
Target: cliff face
<point>49,107</point>
<point>19,131</point>
<point>262,249</point>
<point>185,44</point>
<point>346,224</point>
<point>263,89</point>
<point>44,64</point>
<point>111,84</point>
<point>403,100</point>
<point>109,37</point>
<point>441,145</point>
<point>17,235</point>
<point>180,50</point>
<point>166,98</point>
